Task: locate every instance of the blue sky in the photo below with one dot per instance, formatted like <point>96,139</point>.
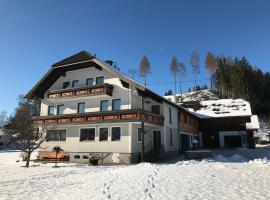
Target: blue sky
<point>36,34</point>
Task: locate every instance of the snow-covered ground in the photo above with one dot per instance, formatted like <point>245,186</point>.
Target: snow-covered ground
<point>222,178</point>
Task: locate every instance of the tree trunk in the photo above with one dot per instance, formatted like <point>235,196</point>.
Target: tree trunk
<point>28,159</point>
<point>56,158</point>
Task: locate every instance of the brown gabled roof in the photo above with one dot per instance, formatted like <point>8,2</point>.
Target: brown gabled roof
<point>79,57</point>
<point>80,60</point>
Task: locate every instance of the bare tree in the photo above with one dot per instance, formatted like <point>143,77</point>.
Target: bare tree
<point>181,72</point>
<point>211,64</point>
<point>195,63</point>
<point>144,68</point>
<point>22,132</point>
<point>132,73</point>
<point>174,69</point>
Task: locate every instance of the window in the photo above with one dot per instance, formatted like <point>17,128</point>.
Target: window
<point>65,84</point>
<point>75,83</point>
<point>56,135</point>
<point>77,157</point>
<point>116,133</point>
<point>85,157</point>
<point>170,115</point>
<point>103,134</point>
<point>100,80</point>
<point>60,109</point>
<point>81,108</point>
<point>104,105</point>
<point>171,137</point>
<point>156,109</point>
<point>116,104</point>
<point>89,81</point>
<point>50,110</point>
<point>87,134</point>
<point>139,136</point>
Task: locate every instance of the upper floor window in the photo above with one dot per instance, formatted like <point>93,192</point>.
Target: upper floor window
<point>139,134</point>
<point>60,109</point>
<point>116,104</point>
<point>100,80</point>
<point>50,110</point>
<point>170,115</point>
<point>156,109</point>
<point>116,133</point>
<point>89,81</point>
<point>88,134</point>
<point>56,135</point>
<point>103,134</point>
<point>65,84</point>
<point>81,107</point>
<point>104,105</point>
<point>75,83</point>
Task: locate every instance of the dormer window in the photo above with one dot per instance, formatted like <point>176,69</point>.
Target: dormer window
<point>65,84</point>
<point>75,83</point>
<point>100,80</point>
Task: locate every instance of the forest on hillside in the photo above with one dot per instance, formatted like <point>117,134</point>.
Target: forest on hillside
<point>237,78</point>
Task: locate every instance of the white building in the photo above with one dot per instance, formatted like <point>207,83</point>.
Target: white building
<point>90,107</point>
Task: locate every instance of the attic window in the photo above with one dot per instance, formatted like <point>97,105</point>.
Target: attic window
<point>65,84</point>
<point>124,84</point>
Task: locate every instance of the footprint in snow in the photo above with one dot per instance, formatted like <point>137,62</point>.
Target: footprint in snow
<point>146,190</point>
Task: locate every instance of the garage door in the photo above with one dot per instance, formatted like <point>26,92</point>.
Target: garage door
<point>233,141</point>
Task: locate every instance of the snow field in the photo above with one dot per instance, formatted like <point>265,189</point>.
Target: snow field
<point>206,179</point>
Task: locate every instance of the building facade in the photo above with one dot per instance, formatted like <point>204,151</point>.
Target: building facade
<point>88,107</point>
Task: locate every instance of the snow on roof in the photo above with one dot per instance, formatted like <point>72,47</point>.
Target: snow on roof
<point>224,108</point>
<point>254,123</point>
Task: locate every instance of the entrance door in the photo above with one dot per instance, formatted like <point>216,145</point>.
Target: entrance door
<point>157,140</point>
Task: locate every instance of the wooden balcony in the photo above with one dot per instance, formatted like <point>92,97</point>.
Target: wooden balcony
<point>106,89</point>
<point>102,117</point>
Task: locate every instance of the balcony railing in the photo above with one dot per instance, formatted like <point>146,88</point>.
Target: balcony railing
<point>83,91</point>
<point>102,117</point>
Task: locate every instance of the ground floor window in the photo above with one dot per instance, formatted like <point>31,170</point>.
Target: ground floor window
<point>87,134</point>
<point>103,134</point>
<point>56,135</point>
<point>116,133</point>
<point>139,134</point>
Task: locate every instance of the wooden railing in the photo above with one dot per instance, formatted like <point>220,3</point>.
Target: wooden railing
<point>83,91</point>
<point>102,117</point>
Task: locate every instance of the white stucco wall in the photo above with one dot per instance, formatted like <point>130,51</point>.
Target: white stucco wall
<point>73,143</point>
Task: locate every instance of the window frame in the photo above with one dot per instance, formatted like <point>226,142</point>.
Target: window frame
<point>88,80</point>
<point>153,109</point>
<point>66,82</point>
<point>113,104</point>
<point>73,85</point>
<point>100,103</point>
<point>119,135</point>
<point>98,78</point>
<point>49,113</point>
<point>57,111</point>
<point>104,127</point>
<point>78,106</point>
<point>80,133</point>
<point>53,140</point>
